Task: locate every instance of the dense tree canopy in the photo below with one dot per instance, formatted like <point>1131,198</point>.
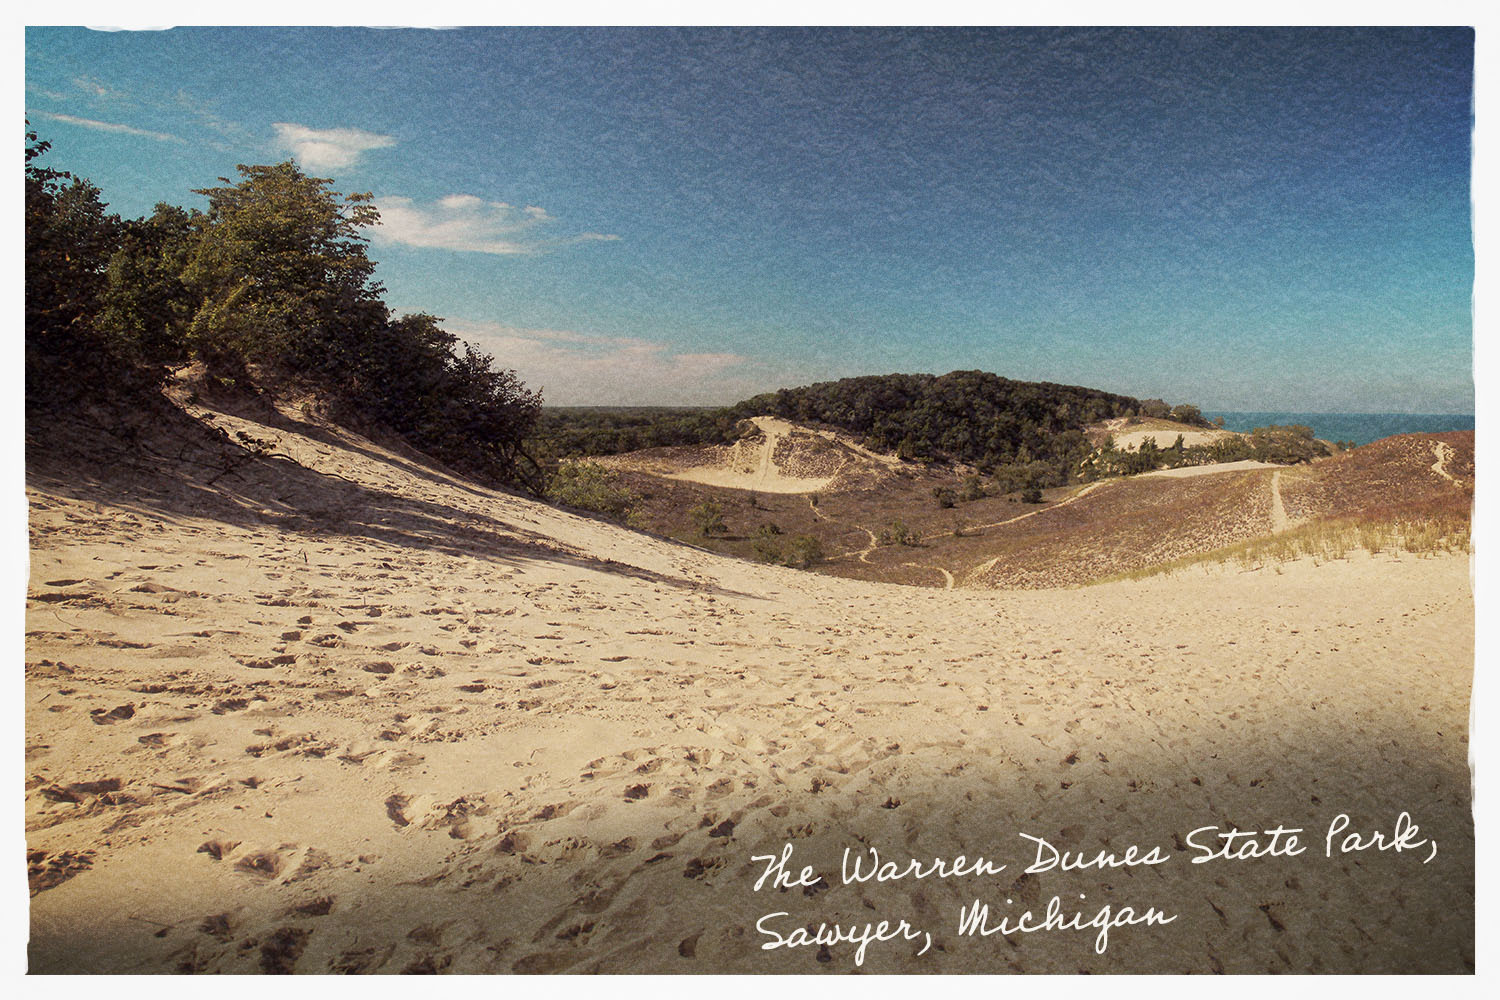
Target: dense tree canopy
<point>281,273</point>
<point>1033,431</point>
<point>69,240</point>
<point>272,283</point>
<point>969,416</point>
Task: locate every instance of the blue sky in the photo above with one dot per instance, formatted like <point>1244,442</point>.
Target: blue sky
<point>1247,219</point>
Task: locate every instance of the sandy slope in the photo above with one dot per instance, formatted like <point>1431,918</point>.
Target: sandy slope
<point>1128,433</point>
<point>751,465</point>
<point>351,714</point>
<point>1189,471</point>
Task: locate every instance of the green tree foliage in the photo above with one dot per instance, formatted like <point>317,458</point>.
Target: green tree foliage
<point>589,486</point>
<point>708,519</point>
<point>1042,475</point>
<point>69,241</point>
<point>272,282</point>
<point>1286,445</point>
<point>281,273</point>
<point>972,488</point>
<point>1154,408</point>
<point>146,306</point>
<point>767,543</point>
<point>897,533</point>
<point>1278,445</point>
<point>573,432</point>
<point>799,553</point>
<point>968,416</point>
<point>1186,413</point>
<point>802,552</point>
<point>973,417</point>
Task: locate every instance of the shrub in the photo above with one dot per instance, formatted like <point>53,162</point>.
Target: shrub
<point>589,486</point>
<point>1286,445</point>
<point>803,551</point>
<point>766,549</point>
<point>708,518</point>
<point>897,534</point>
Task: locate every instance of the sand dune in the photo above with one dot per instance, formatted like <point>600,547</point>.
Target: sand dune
<point>343,712</point>
<point>782,458</point>
<point>1128,433</point>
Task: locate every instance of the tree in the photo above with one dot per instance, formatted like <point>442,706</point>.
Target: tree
<point>898,534</point>
<point>273,279</point>
<point>281,272</point>
<point>146,307</point>
<point>1155,408</point>
<point>280,278</point>
<point>69,241</point>
<point>1188,414</point>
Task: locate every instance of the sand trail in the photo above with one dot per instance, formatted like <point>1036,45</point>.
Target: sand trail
<point>736,471</point>
<point>1279,520</point>
<point>1443,452</point>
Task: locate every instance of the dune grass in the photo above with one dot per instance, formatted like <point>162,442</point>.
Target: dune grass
<point>1325,540</point>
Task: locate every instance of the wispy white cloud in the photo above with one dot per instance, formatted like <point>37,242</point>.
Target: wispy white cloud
<point>98,90</point>
<point>51,95</point>
<point>110,127</point>
<point>583,369</point>
<point>467,222</point>
<point>328,149</point>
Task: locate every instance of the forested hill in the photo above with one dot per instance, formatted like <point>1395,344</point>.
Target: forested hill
<point>969,416</point>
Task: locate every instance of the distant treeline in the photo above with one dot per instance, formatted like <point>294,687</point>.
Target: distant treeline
<point>578,431</point>
<point>973,417</point>
<point>271,285</point>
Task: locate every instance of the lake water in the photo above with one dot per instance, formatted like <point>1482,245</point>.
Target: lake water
<point>1361,428</point>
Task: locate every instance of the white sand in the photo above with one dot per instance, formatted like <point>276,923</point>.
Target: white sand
<point>1189,471</point>
<point>1131,440</point>
<point>751,465</point>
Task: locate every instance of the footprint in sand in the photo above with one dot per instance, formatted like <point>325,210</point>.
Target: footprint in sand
<point>218,849</point>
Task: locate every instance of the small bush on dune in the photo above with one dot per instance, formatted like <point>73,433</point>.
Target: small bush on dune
<point>897,534</point>
<point>590,486</point>
<point>803,551</point>
<point>799,553</point>
<point>708,518</point>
